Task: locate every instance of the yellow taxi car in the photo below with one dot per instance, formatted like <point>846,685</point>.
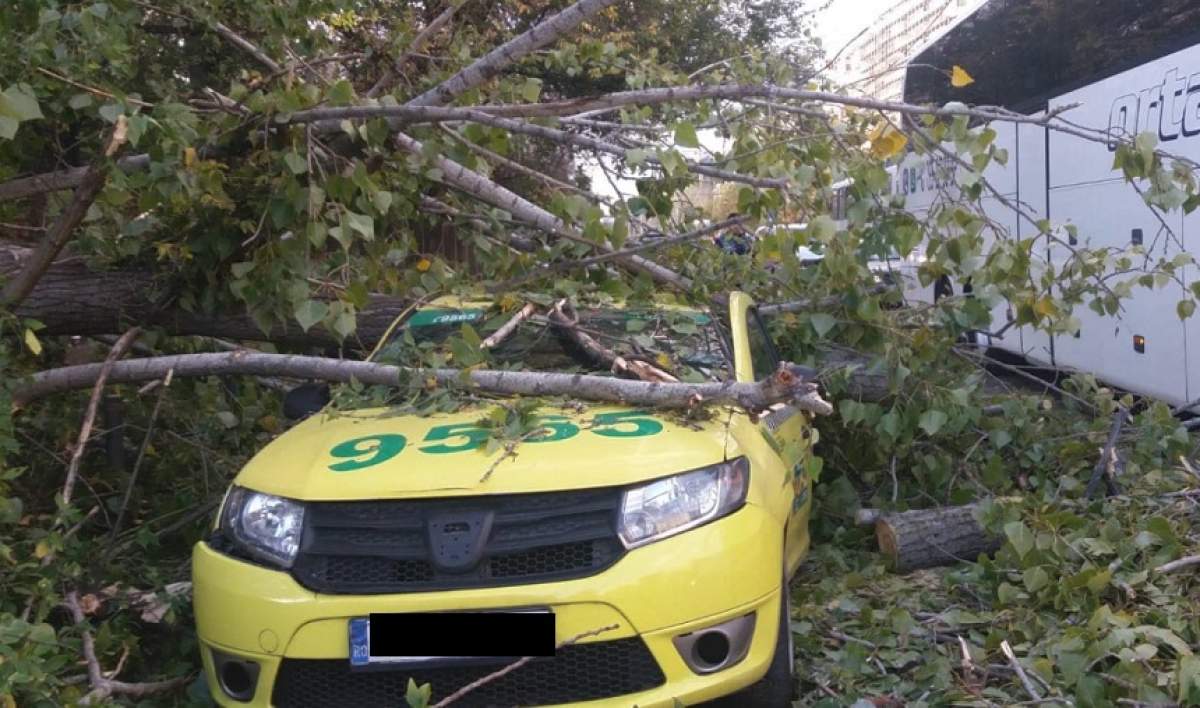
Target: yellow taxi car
<point>651,552</point>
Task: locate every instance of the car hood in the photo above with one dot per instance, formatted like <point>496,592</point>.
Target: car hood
<point>377,454</point>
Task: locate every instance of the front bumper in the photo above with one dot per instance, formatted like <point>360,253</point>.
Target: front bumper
<point>703,577</point>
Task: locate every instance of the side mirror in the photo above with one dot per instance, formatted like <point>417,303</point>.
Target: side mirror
<point>304,400</point>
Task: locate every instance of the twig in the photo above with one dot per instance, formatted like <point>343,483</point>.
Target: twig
<point>101,686</point>
<point>137,464</point>
<point>1178,564</point>
<point>496,675</point>
<point>89,416</point>
<point>418,43</point>
<point>846,638</point>
<point>563,315</point>
<point>91,89</point>
<point>968,666</point>
<point>1016,666</point>
<point>1105,465</point>
<point>645,245</point>
<point>509,327</point>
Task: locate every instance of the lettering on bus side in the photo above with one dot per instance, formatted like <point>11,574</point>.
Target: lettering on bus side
<point>1170,108</point>
<point>933,174</point>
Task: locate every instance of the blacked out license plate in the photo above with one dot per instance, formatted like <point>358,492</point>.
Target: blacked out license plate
<point>443,638</point>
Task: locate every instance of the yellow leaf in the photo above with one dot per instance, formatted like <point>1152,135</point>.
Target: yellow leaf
<point>960,78</point>
<point>663,361</point>
<point>1045,307</point>
<point>423,264</point>
<point>887,141</point>
<point>9,701</point>
<point>41,550</point>
<point>32,342</point>
<point>189,157</point>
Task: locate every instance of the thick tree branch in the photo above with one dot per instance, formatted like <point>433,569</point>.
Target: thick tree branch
<point>790,384</point>
<point>94,178</point>
<point>247,46</point>
<point>490,64</point>
<point>522,209</point>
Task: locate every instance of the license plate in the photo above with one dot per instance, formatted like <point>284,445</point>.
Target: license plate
<point>442,638</point>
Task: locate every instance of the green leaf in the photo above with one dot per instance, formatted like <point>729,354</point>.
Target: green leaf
<point>822,323</point>
<point>361,223</point>
<point>531,90</point>
<point>296,163</point>
<point>685,135</point>
<point>1020,537</point>
<point>345,323</point>
<point>310,312</point>
<point>417,696</point>
<point>823,228</point>
<point>1189,680</point>
<point>19,104</point>
<point>111,112</point>
<point>8,127</point>
<point>1185,309</point>
<point>341,93</point>
<point>932,421</point>
<point>1035,578</point>
<point>80,101</point>
<point>383,200</point>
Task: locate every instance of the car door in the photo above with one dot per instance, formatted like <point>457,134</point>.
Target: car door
<point>783,427</point>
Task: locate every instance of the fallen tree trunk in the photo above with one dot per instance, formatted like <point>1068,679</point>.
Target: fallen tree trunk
<point>926,538</point>
<point>72,299</point>
<point>789,384</point>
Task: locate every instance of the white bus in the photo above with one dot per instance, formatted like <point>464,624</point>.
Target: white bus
<point>1133,66</point>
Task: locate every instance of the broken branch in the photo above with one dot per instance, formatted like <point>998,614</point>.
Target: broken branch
<point>789,384</point>
<point>94,178</point>
<point>89,417</point>
<point>509,327</point>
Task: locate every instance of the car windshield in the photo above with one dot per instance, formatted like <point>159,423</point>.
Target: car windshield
<point>686,344</point>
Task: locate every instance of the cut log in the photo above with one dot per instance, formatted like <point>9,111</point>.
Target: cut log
<point>926,538</point>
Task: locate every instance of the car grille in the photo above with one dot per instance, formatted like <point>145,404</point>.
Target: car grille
<point>373,547</point>
<point>582,672</point>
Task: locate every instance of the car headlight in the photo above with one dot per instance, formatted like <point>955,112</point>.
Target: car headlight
<point>684,501</point>
<point>265,526</point>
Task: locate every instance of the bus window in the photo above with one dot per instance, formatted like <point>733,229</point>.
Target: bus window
<point>1024,52</point>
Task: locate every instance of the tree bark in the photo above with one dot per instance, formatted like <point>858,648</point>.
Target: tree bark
<point>72,299</point>
<point>490,64</point>
<point>930,537</point>
<point>789,384</point>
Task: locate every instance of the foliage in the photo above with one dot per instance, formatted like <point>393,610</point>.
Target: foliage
<point>238,207</point>
<point>1073,590</point>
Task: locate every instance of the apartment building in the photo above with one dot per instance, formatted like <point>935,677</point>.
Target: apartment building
<point>873,64</point>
